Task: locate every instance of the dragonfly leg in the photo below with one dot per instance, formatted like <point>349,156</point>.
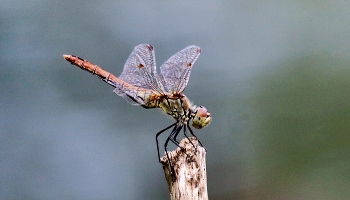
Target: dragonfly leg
<point>173,134</point>
<point>177,142</point>
<point>175,131</point>
<point>185,133</point>
<point>160,132</point>
<point>200,143</point>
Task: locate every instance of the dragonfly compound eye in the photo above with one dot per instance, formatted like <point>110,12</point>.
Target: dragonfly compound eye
<point>202,118</point>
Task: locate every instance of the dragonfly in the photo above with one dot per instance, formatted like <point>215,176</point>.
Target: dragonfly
<point>140,84</point>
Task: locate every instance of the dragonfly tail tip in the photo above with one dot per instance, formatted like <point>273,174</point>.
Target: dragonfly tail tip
<point>65,56</point>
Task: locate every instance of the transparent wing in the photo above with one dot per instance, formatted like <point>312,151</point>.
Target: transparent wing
<point>175,72</point>
<point>140,69</point>
<point>135,95</point>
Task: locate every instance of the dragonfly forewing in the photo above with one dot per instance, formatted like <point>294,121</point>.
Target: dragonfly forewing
<point>140,69</point>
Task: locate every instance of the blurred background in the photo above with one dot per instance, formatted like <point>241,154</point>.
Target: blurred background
<point>274,74</point>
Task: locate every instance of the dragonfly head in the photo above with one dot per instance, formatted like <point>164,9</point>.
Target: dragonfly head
<point>201,118</point>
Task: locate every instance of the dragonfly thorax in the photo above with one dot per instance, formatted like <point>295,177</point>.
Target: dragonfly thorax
<point>178,106</point>
<point>181,109</point>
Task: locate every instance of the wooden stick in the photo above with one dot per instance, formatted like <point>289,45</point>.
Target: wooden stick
<point>190,179</point>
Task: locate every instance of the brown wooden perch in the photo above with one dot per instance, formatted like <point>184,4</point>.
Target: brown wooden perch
<point>190,179</point>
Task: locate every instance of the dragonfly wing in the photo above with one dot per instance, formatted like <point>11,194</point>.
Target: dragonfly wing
<point>175,72</point>
<point>129,96</point>
<point>140,69</point>
<point>141,77</point>
<point>136,95</point>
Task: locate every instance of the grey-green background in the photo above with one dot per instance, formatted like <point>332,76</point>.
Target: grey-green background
<point>274,74</point>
